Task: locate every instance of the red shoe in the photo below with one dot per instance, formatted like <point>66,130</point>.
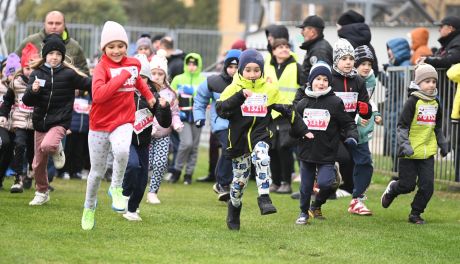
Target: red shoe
<point>358,207</point>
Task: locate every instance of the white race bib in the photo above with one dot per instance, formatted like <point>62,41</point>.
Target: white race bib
<point>143,119</point>
<point>131,81</point>
<point>349,99</point>
<point>255,105</point>
<point>426,115</point>
<point>81,106</point>
<point>316,119</point>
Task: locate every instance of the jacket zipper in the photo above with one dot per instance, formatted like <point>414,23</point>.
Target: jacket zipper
<point>49,100</point>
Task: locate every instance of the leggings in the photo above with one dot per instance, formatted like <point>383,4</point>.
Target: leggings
<point>158,161</point>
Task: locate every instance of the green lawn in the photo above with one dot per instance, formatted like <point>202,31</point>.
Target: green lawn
<point>189,227</point>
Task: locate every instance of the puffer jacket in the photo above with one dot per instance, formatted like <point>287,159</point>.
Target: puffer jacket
<point>6,102</point>
<point>169,95</point>
<point>53,103</point>
<point>454,75</point>
<point>22,114</point>
<point>419,37</point>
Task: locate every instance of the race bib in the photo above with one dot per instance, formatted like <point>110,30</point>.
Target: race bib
<point>24,108</point>
<point>316,119</point>
<point>143,119</point>
<point>426,115</point>
<point>255,105</point>
<point>349,99</point>
<point>128,86</point>
<point>81,106</point>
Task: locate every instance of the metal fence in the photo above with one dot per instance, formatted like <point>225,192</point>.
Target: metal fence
<point>390,94</point>
<point>205,42</point>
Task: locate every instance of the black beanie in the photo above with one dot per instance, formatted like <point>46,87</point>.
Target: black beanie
<point>53,42</point>
<point>350,17</point>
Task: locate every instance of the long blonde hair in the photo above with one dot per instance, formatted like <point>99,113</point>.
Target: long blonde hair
<point>37,63</point>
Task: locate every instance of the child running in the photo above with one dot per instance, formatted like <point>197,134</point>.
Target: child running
<point>159,146</point>
<point>419,135</point>
<point>325,117</point>
<point>115,79</point>
<point>136,175</point>
<point>247,104</point>
<point>51,91</point>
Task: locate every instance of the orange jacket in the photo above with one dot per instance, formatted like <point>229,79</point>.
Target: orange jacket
<point>419,46</point>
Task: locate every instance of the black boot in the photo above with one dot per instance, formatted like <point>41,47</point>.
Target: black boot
<point>187,179</point>
<point>265,205</point>
<point>175,176</point>
<point>233,216</point>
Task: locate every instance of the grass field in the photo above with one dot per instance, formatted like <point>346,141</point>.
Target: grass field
<point>189,227</point>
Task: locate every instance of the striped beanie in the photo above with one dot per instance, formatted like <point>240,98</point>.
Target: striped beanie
<point>363,53</point>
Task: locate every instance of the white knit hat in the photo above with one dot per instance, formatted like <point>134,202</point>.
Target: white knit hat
<point>342,48</point>
<point>145,67</point>
<point>112,31</point>
<point>159,61</point>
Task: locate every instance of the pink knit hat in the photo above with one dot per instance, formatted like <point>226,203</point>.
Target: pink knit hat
<point>159,61</point>
<point>112,31</point>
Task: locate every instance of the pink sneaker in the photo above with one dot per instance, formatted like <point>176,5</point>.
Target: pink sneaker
<point>358,207</point>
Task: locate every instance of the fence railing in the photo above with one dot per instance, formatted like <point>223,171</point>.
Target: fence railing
<point>390,94</point>
<point>205,42</point>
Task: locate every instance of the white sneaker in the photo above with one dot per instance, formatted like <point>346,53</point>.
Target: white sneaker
<point>152,198</point>
<point>59,157</point>
<point>40,198</point>
<point>342,193</point>
<point>66,176</point>
<point>125,200</point>
<point>132,216</point>
<point>84,174</point>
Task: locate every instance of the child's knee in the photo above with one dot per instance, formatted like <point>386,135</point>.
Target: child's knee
<point>48,147</point>
<point>260,156</point>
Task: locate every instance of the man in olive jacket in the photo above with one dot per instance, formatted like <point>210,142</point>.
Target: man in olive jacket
<point>55,23</point>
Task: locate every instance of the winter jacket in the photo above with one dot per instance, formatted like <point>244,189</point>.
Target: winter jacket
<point>209,92</point>
<point>176,63</point>
<point>317,50</point>
<point>186,86</point>
<point>419,46</point>
<point>353,84</point>
<point>143,123</point>
<point>359,34</point>
<point>80,114</point>
<point>246,131</point>
<point>365,132</point>
<point>114,84</point>
<point>323,147</point>
<point>53,103</point>
<point>21,115</point>
<point>6,102</point>
<point>170,96</point>
<point>401,52</point>
<point>449,53</point>
<point>419,126</point>
<point>454,74</point>
<point>74,53</point>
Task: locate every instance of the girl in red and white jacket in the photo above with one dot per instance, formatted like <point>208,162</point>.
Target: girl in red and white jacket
<point>111,118</point>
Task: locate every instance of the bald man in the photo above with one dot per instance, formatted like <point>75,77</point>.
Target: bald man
<point>55,23</point>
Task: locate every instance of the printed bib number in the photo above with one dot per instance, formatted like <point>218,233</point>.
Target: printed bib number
<point>143,119</point>
<point>316,119</point>
<point>255,105</point>
<point>350,100</point>
<point>128,86</point>
<point>81,106</point>
<point>426,115</point>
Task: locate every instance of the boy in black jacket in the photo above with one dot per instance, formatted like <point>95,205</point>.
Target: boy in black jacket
<point>136,175</point>
<point>323,120</point>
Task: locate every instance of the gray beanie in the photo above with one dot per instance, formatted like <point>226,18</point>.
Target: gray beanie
<point>424,71</point>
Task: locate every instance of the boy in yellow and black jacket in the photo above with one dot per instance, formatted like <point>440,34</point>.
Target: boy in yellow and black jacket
<point>419,135</point>
<point>247,104</point>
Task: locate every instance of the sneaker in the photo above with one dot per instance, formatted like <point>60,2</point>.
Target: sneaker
<point>40,198</point>
<point>118,200</point>
<point>27,182</point>
<point>416,219</point>
<point>265,205</point>
<point>59,157</point>
<point>152,198</point>
<point>17,186</point>
<point>302,220</point>
<point>233,216</point>
<point>315,212</point>
<point>50,188</point>
<point>187,179</point>
<point>125,204</point>
<point>358,207</point>
<point>76,175</point>
<point>295,195</point>
<point>285,188</point>
<point>167,176</point>
<point>87,219</point>
<point>66,176</point>
<point>207,178</point>
<point>175,176</point>
<point>341,193</point>
<point>224,194</point>
<point>386,198</point>
<point>132,216</point>
<point>84,174</point>
<point>273,188</point>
